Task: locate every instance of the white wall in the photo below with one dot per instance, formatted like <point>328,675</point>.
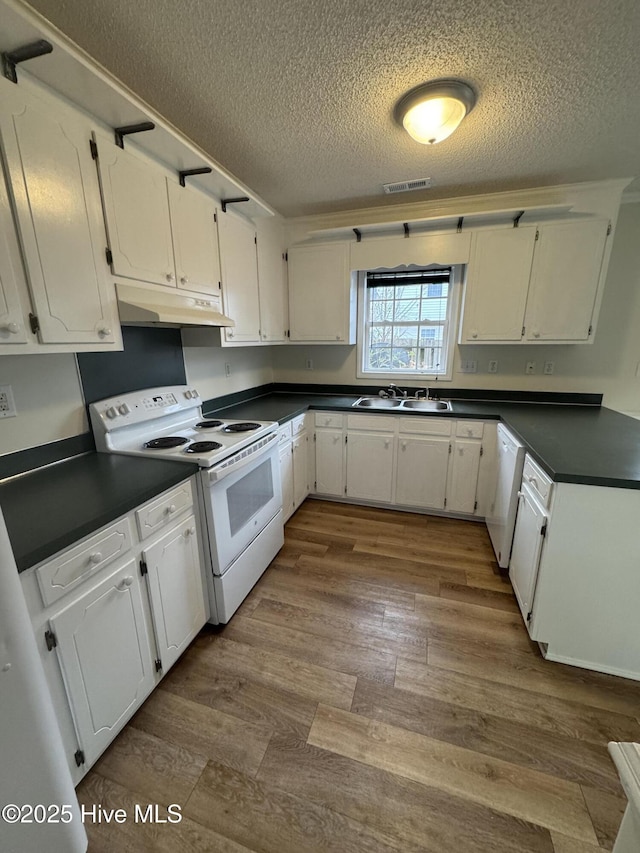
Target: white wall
<point>205,367</point>
<point>48,400</point>
<point>607,366</point>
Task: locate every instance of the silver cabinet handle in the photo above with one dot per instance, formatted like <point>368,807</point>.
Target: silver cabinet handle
<point>124,583</point>
<point>170,276</point>
<point>184,280</point>
<point>104,332</point>
<point>536,334</point>
<point>474,334</point>
<point>190,531</point>
<point>170,509</point>
<point>95,558</point>
<point>12,328</point>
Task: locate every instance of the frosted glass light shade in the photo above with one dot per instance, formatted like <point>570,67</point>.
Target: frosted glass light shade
<point>431,112</point>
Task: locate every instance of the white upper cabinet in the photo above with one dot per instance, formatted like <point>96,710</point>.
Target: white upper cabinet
<point>272,280</point>
<point>137,213</point>
<point>535,284</point>
<point>497,285</point>
<point>239,278</point>
<point>56,199</point>
<point>195,240</point>
<point>12,314</point>
<point>564,281</point>
<point>321,294</point>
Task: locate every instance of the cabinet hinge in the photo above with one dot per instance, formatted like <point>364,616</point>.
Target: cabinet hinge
<point>589,332</point>
<point>158,665</point>
<point>445,502</point>
<point>50,639</point>
<point>475,506</point>
<point>288,333</point>
<point>215,217</point>
<point>449,448</point>
<point>108,255</point>
<point>608,229</point>
<point>79,757</point>
<point>543,530</point>
<point>481,450</point>
<point>529,615</point>
<point>537,234</point>
<point>255,239</point>
<point>522,332</point>
<point>286,257</point>
<point>143,567</point>
<point>314,437</point>
<point>94,149</point>
<point>345,490</point>
<point>315,485</point>
<point>346,439</point>
<point>34,323</point>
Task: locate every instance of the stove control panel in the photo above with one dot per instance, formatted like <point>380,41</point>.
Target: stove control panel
<point>160,401</point>
<point>138,407</point>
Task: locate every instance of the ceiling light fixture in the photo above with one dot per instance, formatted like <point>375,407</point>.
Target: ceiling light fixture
<point>432,111</point>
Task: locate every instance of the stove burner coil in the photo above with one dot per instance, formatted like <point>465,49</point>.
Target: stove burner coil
<point>202,447</point>
<point>166,442</point>
<point>243,427</point>
<point>208,424</point>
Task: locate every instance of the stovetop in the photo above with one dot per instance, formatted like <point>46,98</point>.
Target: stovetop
<point>167,423</point>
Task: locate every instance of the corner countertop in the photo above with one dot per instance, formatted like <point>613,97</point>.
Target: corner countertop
<point>591,445</point>
<point>51,508</point>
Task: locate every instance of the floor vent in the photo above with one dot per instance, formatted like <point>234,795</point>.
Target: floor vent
<point>407,186</point>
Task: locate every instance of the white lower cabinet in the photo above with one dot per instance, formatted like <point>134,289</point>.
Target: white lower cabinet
<point>422,471</point>
<point>175,588</point>
<point>286,479</point>
<point>295,467</point>
<point>105,657</point>
<point>300,453</point>
<point>425,462</point>
<point>526,551</point>
<point>111,615</point>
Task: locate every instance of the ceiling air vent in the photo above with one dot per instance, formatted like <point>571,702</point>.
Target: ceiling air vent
<point>407,186</point>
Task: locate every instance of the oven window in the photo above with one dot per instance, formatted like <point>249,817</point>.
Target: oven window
<point>247,497</point>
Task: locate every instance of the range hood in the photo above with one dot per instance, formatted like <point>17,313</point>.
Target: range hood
<point>138,306</point>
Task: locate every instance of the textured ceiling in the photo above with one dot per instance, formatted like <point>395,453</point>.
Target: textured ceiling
<point>295,97</point>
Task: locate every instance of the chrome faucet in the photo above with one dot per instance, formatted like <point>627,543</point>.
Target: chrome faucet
<point>423,392</point>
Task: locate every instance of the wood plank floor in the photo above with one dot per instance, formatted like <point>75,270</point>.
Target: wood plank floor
<point>377,691</point>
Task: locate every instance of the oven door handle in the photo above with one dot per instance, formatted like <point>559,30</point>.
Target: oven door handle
<point>215,474</point>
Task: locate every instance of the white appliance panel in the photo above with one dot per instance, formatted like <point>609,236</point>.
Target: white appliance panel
<point>501,520</point>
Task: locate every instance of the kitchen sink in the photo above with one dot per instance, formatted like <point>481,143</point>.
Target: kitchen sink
<point>402,403</point>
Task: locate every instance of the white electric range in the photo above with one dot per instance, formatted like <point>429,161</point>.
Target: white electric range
<point>238,485</point>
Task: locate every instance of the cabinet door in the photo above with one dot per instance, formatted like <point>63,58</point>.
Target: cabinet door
<point>195,240</point>
<point>137,212</point>
<point>526,551</point>
<point>239,278</point>
<point>320,294</point>
<point>564,281</point>
<point>106,660</point>
<point>300,469</point>
<point>496,285</point>
<point>175,587</point>
<point>463,476</point>
<point>12,327</point>
<point>370,466</point>
<point>57,201</point>
<point>421,479</point>
<point>330,462</point>
<point>272,281</point>
<point>286,479</point>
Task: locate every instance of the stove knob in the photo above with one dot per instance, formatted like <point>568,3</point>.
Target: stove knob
<point>188,395</point>
<point>194,393</point>
<point>124,409</point>
<point>111,412</point>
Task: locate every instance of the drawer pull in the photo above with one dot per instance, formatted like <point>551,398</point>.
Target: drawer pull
<point>190,531</point>
<point>95,558</point>
<point>170,509</point>
<point>125,583</point>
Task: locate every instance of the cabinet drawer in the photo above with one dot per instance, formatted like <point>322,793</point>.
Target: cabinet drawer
<point>284,433</point>
<point>539,482</point>
<point>374,422</point>
<point>163,510</point>
<point>426,425</point>
<point>297,425</point>
<point>469,429</point>
<point>329,419</point>
<point>70,569</point>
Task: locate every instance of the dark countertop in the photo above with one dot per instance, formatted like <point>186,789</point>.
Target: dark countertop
<point>592,445</point>
<point>54,507</point>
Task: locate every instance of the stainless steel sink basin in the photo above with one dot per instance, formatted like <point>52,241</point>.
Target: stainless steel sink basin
<point>427,405</point>
<point>402,403</point>
<point>377,403</point>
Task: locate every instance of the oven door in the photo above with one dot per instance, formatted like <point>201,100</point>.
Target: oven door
<point>241,504</point>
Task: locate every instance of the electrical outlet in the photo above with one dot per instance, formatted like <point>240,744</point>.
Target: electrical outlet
<point>549,367</point>
<point>309,364</point>
<point>470,365</point>
<point>531,367</point>
<point>7,405</point>
<point>227,368</point>
<point>493,366</point>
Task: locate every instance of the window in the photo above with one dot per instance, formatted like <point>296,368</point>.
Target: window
<point>405,322</point>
